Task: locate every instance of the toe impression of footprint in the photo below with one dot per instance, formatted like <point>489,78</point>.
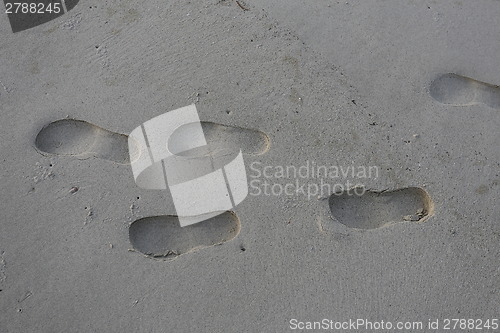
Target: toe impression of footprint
<point>459,90</point>
<point>374,210</point>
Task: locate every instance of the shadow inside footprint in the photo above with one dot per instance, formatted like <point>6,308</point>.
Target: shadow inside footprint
<point>80,138</point>
<point>162,236</point>
<point>377,209</point>
<point>460,90</point>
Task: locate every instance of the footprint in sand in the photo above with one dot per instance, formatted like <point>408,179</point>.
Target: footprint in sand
<point>232,139</point>
<point>460,90</point>
<point>79,138</point>
<point>162,237</point>
<point>378,209</point>
<point>221,140</point>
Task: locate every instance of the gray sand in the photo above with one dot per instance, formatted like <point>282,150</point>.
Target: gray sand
<point>407,86</point>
